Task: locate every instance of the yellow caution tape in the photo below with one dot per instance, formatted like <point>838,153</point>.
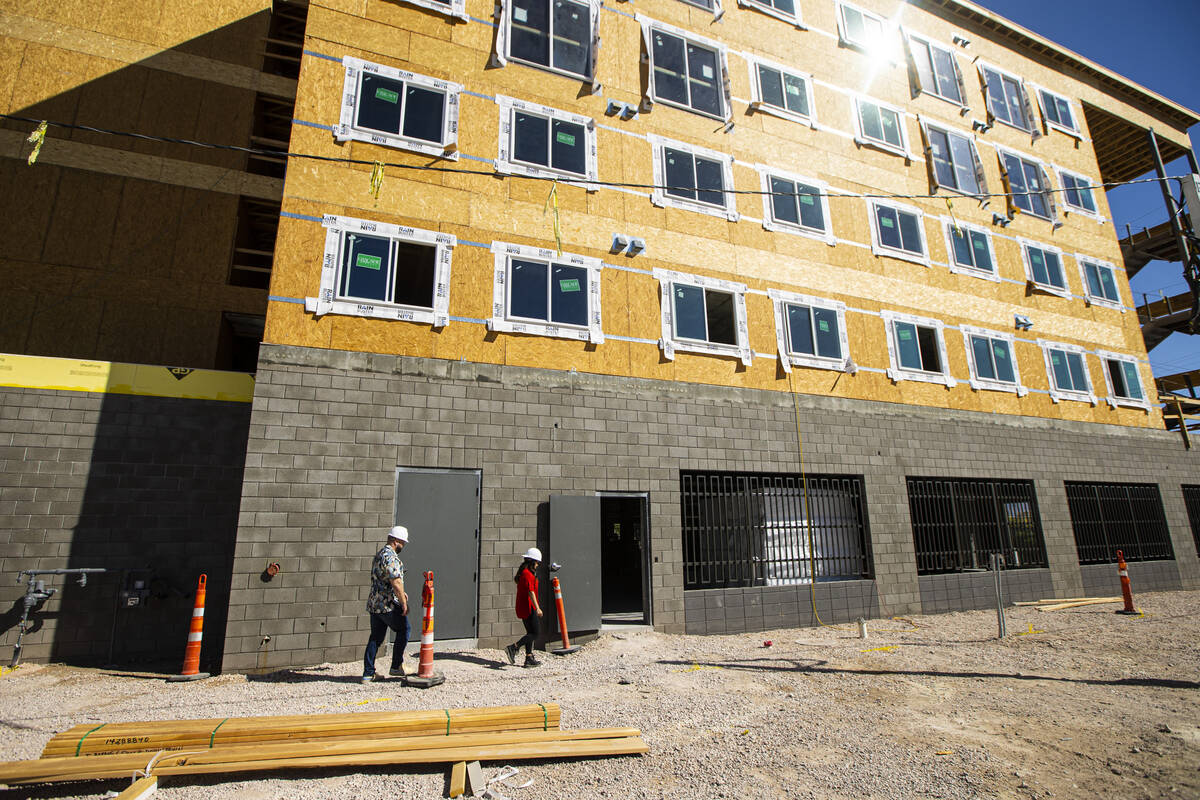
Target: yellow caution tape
<point>552,200</point>
<point>1029,632</point>
<point>376,179</point>
<point>944,753</point>
<point>7,671</point>
<point>953,221</point>
<point>696,668</point>
<point>886,649</point>
<point>37,138</point>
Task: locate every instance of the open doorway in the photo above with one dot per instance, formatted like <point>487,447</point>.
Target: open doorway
<point>624,566</point>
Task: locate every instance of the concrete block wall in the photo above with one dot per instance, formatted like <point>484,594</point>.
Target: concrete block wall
<point>121,483</point>
<point>330,427</point>
<point>711,611</point>
<point>1103,580</point>
<point>970,590</point>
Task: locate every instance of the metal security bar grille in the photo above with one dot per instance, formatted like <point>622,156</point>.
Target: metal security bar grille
<point>958,523</point>
<point>1108,517</point>
<point>754,529</point>
<point>1191,499</point>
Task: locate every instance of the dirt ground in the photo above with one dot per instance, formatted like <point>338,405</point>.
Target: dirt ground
<point>1072,703</point>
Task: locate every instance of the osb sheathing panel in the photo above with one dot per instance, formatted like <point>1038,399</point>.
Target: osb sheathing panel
<point>471,279</point>
<point>144,231</point>
<point>12,51</point>
<point>289,323</point>
<point>299,247</point>
<point>65,326</point>
<point>316,141</point>
<point>380,336</point>
<point>333,33</point>
<point>319,92</point>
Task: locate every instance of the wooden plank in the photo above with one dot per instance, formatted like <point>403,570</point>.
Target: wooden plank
<point>458,778</point>
<point>499,747</point>
<point>116,765</point>
<point>475,782</point>
<point>140,789</point>
<point>1077,603</point>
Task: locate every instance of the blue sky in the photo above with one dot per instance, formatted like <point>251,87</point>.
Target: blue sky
<point>1152,42</point>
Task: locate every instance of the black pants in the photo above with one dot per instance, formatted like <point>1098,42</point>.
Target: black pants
<point>531,633</point>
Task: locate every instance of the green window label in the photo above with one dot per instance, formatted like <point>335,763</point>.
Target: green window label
<point>807,199</point>
<point>904,333</point>
<point>823,325</point>
<point>565,138</point>
<point>887,222</point>
<point>793,89</point>
<point>387,95</point>
<point>367,261</point>
<point>568,284</point>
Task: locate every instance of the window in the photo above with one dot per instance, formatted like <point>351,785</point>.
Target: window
<point>880,125</point>
<point>916,349</point>
<point>970,250</point>
<point>782,92</point>
<point>783,9</point>
<point>954,161</point>
<point>958,523</point>
<point>703,315</point>
<point>795,204</point>
<point>685,70</point>
<point>558,35</point>
<point>1099,282</point>
<point>1056,112</point>
<point>692,178</point>
<point>373,269</point>
<point>541,292</point>
<point>1043,267</point>
<point>993,360</point>
<point>755,529</point>
<point>536,140</point>
<point>1067,368</point>
<point>1107,517</point>
<point>1191,500</point>
<point>810,332</point>
<point>1006,98</point>
<point>1028,185</point>
<point>937,70</point>
<point>897,231</point>
<point>1123,381</point>
<point>1077,193</point>
<point>860,29</point>
<point>399,109</point>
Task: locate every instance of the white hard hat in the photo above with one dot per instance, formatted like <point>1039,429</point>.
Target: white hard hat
<point>399,532</point>
<point>533,553</point>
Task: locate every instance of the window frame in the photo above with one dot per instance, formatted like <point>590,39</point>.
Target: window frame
<point>1047,193</point>
<point>1070,207</point>
<point>348,129</point>
<point>669,343</point>
<point>861,138</point>
<point>896,371</point>
<point>503,52</point>
<point>771,11</point>
<point>984,68</point>
<point>770,223</point>
<point>649,26</point>
<point>959,79</point>
<point>660,197</point>
<point>452,8</point>
<point>1049,288</point>
<point>843,27</point>
<point>501,320</point>
<point>976,160</point>
<point>880,249</point>
<point>948,225</point>
<point>1048,123</point>
<point>505,162</point>
<point>780,299</point>
<point>979,382</point>
<point>337,227</point>
<point>757,103</point>
<point>1099,300</point>
<point>1114,400</point>
<point>1057,394</point>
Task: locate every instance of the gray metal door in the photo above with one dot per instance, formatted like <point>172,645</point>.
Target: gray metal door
<point>575,543</point>
<point>440,508</point>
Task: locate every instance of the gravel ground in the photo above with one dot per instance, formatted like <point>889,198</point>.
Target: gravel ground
<point>1088,704</point>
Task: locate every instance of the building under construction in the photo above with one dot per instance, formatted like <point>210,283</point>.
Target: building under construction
<point>745,313</point>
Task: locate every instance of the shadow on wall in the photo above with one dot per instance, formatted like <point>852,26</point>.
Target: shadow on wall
<point>102,264</point>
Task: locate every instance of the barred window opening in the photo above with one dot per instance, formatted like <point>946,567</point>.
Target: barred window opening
<point>1107,517</point>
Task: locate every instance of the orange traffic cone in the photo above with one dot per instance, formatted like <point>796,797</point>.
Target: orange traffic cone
<point>425,676</point>
<point>1126,590</point>
<point>191,656</point>
<point>567,647</point>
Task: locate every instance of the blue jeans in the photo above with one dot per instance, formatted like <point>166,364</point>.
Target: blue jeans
<point>379,628</point>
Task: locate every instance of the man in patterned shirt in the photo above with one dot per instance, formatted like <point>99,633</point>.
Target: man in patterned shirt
<point>388,604</point>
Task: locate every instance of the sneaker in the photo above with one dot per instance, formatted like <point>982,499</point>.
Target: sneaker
<point>531,661</point>
<point>397,672</point>
<point>368,678</point>
<point>511,652</point>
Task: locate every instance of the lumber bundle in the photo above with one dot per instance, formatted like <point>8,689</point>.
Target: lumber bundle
<point>254,744</point>
<point>1057,604</point>
<point>194,734</point>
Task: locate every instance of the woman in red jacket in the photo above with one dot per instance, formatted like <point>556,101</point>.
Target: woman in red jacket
<point>528,608</point>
